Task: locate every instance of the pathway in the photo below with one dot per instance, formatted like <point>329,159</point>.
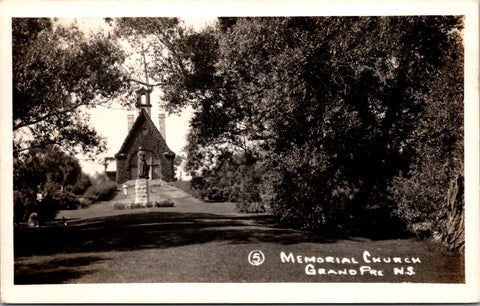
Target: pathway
<point>183,202</point>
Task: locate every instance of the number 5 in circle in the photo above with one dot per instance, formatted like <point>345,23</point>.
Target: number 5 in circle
<point>256,258</point>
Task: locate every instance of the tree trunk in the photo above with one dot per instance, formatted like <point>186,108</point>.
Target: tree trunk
<point>454,229</point>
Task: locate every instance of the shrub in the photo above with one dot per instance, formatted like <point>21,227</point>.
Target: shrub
<point>82,184</point>
<point>100,192</point>
<point>23,205</point>
<point>437,210</point>
<point>214,194</point>
<point>230,182</point>
<point>65,200</point>
<point>164,203</point>
<point>119,205</point>
<point>123,205</point>
<point>297,195</point>
<point>84,202</point>
<point>254,207</point>
<point>48,208</point>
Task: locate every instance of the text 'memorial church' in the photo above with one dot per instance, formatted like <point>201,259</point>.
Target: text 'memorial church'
<point>144,135</point>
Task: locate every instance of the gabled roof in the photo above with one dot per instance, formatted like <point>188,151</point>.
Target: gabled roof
<point>143,120</point>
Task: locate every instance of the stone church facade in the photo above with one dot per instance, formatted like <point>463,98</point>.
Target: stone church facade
<point>144,135</point>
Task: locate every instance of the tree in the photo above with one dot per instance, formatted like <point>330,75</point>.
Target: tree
<point>329,106</point>
<point>153,41</point>
<point>48,171</point>
<point>57,71</point>
<point>437,170</point>
<point>333,113</point>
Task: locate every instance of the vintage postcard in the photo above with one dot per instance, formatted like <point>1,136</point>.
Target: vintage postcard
<point>239,152</point>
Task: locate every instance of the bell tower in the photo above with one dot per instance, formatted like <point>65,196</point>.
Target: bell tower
<point>143,100</point>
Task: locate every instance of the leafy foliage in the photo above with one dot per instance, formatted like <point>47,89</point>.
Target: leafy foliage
<point>57,70</point>
<point>100,192</point>
<point>58,73</point>
<point>227,181</point>
<point>163,47</point>
<point>82,184</point>
<point>437,170</point>
<point>49,171</point>
<point>344,115</point>
<point>322,120</point>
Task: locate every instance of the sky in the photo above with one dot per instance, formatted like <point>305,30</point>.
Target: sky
<point>111,123</point>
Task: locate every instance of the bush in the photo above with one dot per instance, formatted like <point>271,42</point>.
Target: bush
<point>297,195</point>
<point>230,182</point>
<point>82,184</point>
<point>214,194</point>
<point>122,205</point>
<point>100,192</point>
<point>46,209</point>
<point>65,200</point>
<point>164,203</point>
<point>23,205</point>
<point>50,172</point>
<point>246,207</point>
<point>85,203</point>
<point>437,210</point>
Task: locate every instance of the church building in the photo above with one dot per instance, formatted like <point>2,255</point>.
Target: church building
<point>144,135</point>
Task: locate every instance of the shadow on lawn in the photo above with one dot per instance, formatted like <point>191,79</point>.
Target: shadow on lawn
<point>154,230</point>
<point>157,230</point>
<point>53,271</point>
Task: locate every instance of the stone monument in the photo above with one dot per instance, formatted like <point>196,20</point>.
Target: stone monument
<point>141,184</point>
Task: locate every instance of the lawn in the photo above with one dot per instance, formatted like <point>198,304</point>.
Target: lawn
<point>209,242</point>
<point>164,245</point>
<point>187,187</point>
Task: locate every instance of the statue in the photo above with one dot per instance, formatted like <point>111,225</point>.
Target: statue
<point>141,184</point>
<point>142,165</point>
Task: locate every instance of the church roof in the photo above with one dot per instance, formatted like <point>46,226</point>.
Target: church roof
<point>143,120</point>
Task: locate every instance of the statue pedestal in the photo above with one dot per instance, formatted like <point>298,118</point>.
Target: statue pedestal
<point>141,192</point>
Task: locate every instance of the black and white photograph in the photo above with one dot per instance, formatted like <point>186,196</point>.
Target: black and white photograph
<point>155,155</point>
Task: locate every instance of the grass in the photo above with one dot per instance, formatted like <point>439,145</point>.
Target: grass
<point>187,187</point>
<point>201,242</point>
<point>202,247</point>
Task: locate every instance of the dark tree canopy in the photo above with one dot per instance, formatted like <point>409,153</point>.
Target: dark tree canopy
<point>339,116</point>
<point>57,70</point>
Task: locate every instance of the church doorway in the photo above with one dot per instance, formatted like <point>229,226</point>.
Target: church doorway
<point>152,161</point>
